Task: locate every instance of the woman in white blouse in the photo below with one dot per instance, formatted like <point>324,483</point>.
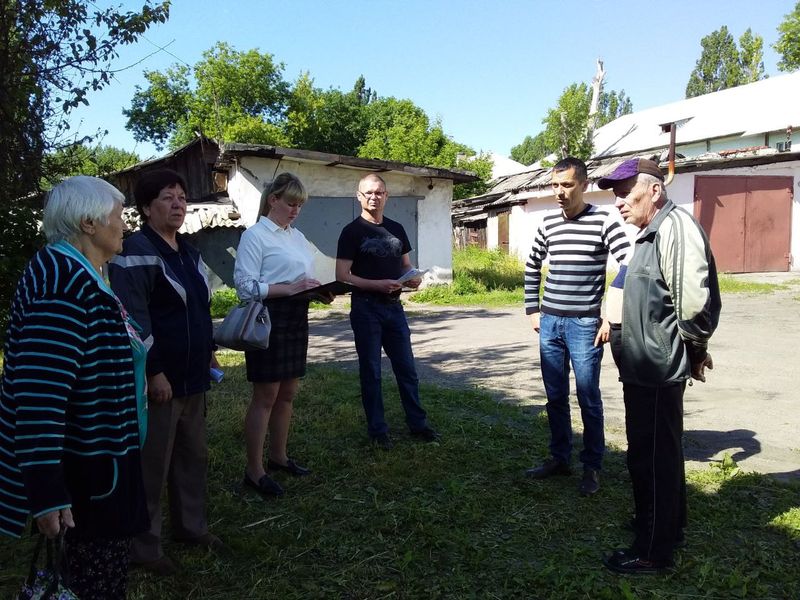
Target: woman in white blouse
<point>275,261</point>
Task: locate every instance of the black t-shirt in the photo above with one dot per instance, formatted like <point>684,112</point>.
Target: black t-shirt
<point>376,250</point>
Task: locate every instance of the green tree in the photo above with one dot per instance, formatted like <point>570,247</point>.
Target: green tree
<point>788,44</point>
<point>242,97</point>
<point>51,55</point>
<point>566,130</point>
<point>612,105</point>
<point>531,149</point>
<point>481,164</point>
<point>237,96</point>
<point>722,65</point>
<point>400,130</point>
<point>328,121</point>
<point>82,159</point>
<point>751,57</point>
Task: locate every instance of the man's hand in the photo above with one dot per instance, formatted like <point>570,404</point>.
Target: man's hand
<point>602,333</point>
<point>158,388</point>
<point>535,318</point>
<point>214,364</point>
<point>699,368</point>
<point>385,286</point>
<point>50,523</point>
<point>413,283</point>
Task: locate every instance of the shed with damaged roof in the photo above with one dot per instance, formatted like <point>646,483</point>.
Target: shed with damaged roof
<point>225,183</point>
<point>737,171</point>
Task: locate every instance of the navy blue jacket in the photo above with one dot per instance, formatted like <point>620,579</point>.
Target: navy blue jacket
<point>167,293</point>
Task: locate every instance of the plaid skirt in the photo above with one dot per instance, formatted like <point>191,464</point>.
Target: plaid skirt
<point>288,343</point>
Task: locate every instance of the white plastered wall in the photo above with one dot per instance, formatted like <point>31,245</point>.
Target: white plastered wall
<point>434,245</point>
<point>526,219</point>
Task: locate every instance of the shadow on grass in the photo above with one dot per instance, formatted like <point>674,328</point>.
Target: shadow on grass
<point>713,442</point>
<point>455,519</point>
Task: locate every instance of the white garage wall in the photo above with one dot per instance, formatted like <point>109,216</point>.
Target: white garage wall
<point>434,245</point>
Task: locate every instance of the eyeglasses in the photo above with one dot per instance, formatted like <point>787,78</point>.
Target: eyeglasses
<point>373,194</point>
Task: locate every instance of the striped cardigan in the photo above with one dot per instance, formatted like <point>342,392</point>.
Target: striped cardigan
<point>578,249</point>
<point>68,420</point>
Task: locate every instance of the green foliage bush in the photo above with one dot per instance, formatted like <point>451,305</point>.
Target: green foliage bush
<point>480,276</point>
<point>222,301</point>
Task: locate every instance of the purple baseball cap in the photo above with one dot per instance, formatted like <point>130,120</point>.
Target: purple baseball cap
<point>630,168</point>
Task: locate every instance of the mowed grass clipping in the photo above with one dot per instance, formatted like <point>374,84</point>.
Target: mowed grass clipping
<point>455,519</point>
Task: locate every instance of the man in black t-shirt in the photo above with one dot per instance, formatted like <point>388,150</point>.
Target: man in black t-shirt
<point>372,254</point>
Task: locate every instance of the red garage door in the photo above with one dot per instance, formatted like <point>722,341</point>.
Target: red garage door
<point>747,219</point>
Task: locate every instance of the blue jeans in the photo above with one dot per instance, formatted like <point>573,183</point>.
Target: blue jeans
<point>563,340</point>
<point>377,324</point>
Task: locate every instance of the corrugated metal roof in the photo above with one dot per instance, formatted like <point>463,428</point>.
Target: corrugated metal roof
<point>760,107</point>
<point>199,216</point>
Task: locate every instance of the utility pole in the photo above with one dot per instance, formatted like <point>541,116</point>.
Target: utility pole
<point>597,90</point>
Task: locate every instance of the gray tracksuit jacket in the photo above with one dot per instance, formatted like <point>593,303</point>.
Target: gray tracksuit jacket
<point>671,300</point>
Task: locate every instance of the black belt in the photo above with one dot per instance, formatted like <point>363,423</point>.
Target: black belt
<point>378,297</point>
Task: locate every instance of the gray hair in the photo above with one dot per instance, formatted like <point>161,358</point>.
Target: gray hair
<point>74,199</point>
<point>648,180</point>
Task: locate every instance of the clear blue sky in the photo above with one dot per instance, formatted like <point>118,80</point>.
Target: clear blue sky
<point>489,69</point>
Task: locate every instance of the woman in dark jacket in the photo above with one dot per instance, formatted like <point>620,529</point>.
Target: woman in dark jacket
<point>72,389</point>
<point>162,281</point>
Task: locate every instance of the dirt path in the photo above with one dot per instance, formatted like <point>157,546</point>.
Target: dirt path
<point>750,406</point>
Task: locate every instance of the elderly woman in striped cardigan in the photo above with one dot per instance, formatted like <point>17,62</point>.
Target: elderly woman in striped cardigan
<point>72,391</point>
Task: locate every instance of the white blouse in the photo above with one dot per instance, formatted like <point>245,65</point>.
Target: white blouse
<point>269,254</point>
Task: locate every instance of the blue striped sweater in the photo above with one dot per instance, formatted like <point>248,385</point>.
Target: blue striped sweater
<point>68,419</point>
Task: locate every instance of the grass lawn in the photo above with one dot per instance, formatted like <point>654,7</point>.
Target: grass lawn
<point>455,519</point>
<point>493,278</point>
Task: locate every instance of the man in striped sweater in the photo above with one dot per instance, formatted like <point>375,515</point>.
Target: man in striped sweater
<point>577,239</point>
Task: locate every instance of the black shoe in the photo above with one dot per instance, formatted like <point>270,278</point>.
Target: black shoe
<point>590,483</point>
<point>629,562</point>
<point>383,441</point>
<point>290,467</point>
<point>549,468</point>
<point>427,434</point>
<point>266,486</point>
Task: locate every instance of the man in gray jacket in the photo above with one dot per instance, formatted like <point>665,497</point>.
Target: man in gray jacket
<point>671,306</point>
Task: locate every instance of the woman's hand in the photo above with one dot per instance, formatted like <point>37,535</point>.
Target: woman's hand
<point>50,523</point>
<point>301,285</point>
<point>158,388</point>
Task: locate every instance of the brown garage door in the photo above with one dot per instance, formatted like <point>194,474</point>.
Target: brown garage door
<point>747,219</point>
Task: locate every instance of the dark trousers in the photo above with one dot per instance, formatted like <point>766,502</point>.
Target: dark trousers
<point>654,427</point>
<point>383,324</point>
